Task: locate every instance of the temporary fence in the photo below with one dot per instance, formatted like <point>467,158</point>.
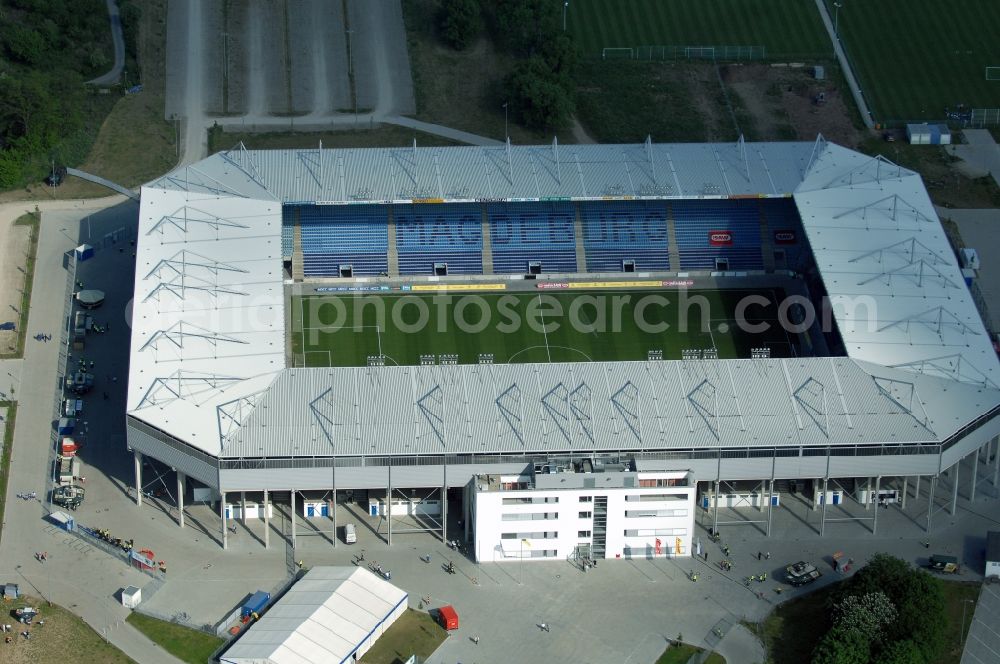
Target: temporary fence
<point>726,53</point>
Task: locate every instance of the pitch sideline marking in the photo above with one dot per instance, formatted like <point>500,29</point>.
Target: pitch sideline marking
<point>542,314</point>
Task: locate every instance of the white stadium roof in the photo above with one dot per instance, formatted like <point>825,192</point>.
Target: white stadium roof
<point>322,619</point>
<point>208,345</point>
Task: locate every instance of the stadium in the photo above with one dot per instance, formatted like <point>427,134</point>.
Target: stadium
<point>572,349</point>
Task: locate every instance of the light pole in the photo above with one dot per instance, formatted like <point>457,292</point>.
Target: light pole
<point>836,18</point>
<point>565,8</point>
<point>350,57</point>
<point>961,635</point>
<point>506,132</point>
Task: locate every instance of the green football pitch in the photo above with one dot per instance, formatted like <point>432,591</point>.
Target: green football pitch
<point>917,57</point>
<point>408,329</point>
<point>785,28</point>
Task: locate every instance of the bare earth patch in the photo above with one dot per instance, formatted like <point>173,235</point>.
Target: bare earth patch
<point>781,103</point>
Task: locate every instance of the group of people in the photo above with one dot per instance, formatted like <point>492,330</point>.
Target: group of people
<point>43,337</point>
<point>28,495</point>
<point>41,556</point>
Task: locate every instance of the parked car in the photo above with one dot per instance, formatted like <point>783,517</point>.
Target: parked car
<point>944,564</point>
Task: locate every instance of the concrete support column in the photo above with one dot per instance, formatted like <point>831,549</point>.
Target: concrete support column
<point>906,481</point>
<point>954,487</point>
<point>878,481</point>
<point>333,516</point>
<point>293,520</point>
<point>822,521</point>
<point>243,508</point>
<point>388,509</point>
<point>868,491</point>
<point>916,488</point>
<point>444,506</point>
<point>931,490</point>
<point>996,461</point>
<point>770,506</point>
<point>975,471</point>
<point>715,522</point>
<point>466,499</point>
<point>763,484</point>
<point>222,518</point>
<point>267,521</point>
<point>137,456</point>
<point>181,481</point>
<point>815,494</point>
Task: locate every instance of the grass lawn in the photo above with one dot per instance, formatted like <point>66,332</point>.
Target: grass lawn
<point>684,652</point>
<point>415,633</point>
<point>336,330</point>
<point>63,638</point>
<point>956,595</point>
<point>623,102</point>
<point>184,643</point>
<point>30,219</point>
<point>786,28</point>
<point>791,632</point>
<point>916,57</point>
<point>6,447</point>
<point>381,136</point>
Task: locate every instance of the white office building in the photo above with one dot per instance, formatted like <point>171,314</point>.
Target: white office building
<point>583,511</point>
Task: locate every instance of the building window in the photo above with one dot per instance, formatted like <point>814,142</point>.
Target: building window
<point>529,516</point>
<point>586,499</point>
<point>543,553</point>
<point>653,497</point>
<point>534,500</point>
<point>534,536</point>
<point>586,515</point>
<point>637,514</point>
<point>583,533</point>
<point>653,532</point>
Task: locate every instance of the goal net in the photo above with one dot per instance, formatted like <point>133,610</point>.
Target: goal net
<point>993,73</point>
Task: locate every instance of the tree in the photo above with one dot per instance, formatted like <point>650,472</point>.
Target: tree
<point>915,594</point>
<point>525,25</point>
<point>902,652</point>
<point>461,22</point>
<point>842,646</point>
<point>25,45</point>
<point>866,614</point>
<point>537,96</point>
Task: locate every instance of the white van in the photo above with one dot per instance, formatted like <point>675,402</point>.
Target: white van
<point>350,534</point>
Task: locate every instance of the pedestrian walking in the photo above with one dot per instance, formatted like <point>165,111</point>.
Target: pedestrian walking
<point>767,556</point>
<point>706,556</point>
<point>759,555</point>
<point>475,640</point>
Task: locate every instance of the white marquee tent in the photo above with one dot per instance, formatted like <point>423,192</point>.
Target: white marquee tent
<point>332,614</point>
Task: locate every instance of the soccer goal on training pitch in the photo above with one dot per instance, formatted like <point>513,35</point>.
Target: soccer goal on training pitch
<point>993,73</point>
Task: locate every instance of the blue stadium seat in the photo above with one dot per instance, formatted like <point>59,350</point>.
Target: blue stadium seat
<point>787,234</point>
<point>735,225</point>
<point>617,231</point>
<point>521,233</point>
<point>429,234</point>
<point>334,235</point>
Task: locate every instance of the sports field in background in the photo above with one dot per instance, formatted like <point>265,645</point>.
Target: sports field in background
<point>786,28</point>
<point>915,57</point>
<point>346,330</point>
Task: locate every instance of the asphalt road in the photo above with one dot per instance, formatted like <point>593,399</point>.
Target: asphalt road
<point>118,38</point>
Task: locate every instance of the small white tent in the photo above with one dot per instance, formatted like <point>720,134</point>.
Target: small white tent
<point>332,615</point>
